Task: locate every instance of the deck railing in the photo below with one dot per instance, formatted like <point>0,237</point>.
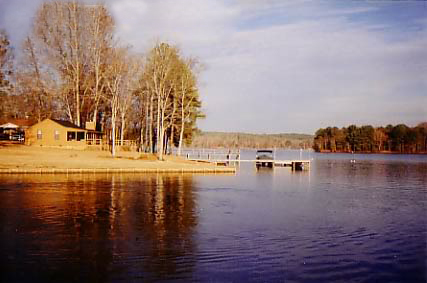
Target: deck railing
<point>99,142</point>
<point>94,142</point>
<point>211,154</point>
<point>125,143</point>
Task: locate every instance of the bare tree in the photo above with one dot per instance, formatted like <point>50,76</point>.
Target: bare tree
<point>188,96</point>
<point>159,76</point>
<point>74,40</point>
<point>100,43</point>
<point>130,85</point>
<point>6,57</point>
<point>120,83</point>
<point>35,83</point>
<point>169,89</point>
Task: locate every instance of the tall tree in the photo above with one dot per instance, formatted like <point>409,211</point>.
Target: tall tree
<point>6,57</point>
<point>116,73</point>
<point>422,136</point>
<point>187,96</point>
<point>35,84</point>
<point>380,137</point>
<point>74,39</point>
<point>159,73</point>
<point>398,136</point>
<point>126,99</point>
<point>101,27</point>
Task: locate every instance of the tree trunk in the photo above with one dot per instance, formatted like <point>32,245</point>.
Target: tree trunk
<point>113,134</point>
<point>122,130</point>
<point>158,141</point>
<point>141,138</point>
<point>77,65</point>
<point>95,113</point>
<point>150,126</point>
<point>181,133</point>
<point>70,115</point>
<point>171,139</point>
<point>161,131</point>
<point>181,137</point>
<point>165,144</point>
<point>172,145</point>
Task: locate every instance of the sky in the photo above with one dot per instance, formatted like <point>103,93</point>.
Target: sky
<point>273,66</point>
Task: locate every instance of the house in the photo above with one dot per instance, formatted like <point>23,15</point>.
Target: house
<point>59,133</point>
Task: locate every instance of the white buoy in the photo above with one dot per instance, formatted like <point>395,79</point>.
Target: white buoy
<point>352,159</point>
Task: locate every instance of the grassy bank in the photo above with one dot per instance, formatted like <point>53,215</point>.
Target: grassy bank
<point>21,159</point>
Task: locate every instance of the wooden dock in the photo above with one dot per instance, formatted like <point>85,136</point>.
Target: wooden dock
<point>295,164</point>
<point>227,157</point>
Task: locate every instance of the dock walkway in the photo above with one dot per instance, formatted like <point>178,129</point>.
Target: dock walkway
<point>295,164</point>
<point>232,156</point>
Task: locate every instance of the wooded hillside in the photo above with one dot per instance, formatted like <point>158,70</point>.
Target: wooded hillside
<point>245,140</point>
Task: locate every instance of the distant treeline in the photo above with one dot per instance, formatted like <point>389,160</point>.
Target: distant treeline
<point>399,138</point>
<point>244,140</point>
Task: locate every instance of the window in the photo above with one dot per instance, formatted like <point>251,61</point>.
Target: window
<point>71,136</point>
<point>56,135</point>
<point>39,134</point>
<point>80,136</point>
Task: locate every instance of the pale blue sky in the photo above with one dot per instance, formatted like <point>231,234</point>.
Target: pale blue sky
<point>283,66</point>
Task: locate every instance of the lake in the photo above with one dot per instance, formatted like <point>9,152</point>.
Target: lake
<point>337,222</point>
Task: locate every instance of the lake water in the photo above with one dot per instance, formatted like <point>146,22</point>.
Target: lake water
<point>337,222</point>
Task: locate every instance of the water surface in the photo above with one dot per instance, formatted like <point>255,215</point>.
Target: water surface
<point>338,222</point>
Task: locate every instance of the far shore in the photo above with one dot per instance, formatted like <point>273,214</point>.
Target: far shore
<point>373,152</point>
<point>16,158</point>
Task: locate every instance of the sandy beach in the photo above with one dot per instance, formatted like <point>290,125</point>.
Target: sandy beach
<point>20,158</point>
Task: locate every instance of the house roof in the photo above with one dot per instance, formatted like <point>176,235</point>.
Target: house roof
<point>19,122</point>
<point>9,126</point>
<point>23,122</point>
<point>67,124</point>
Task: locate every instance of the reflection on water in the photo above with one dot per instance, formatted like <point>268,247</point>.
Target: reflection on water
<point>337,222</point>
<point>96,227</point>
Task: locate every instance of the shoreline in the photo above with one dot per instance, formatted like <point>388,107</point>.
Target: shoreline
<point>116,170</point>
<point>22,159</point>
<point>369,152</point>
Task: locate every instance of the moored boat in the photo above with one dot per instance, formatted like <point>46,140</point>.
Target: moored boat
<point>265,158</point>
